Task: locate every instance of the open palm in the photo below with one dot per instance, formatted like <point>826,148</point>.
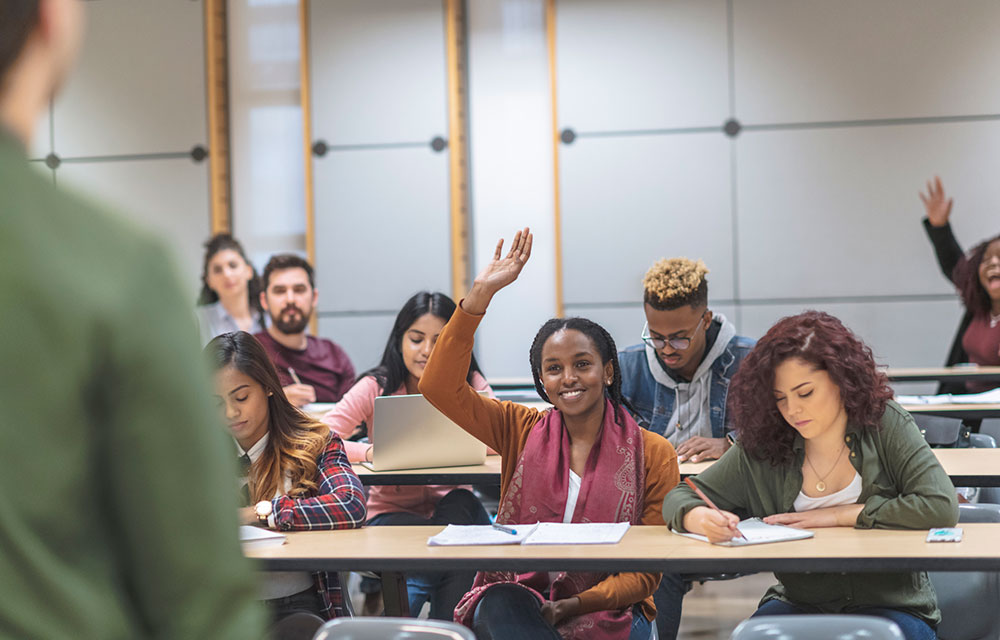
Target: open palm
<point>937,205</point>
<point>504,269</point>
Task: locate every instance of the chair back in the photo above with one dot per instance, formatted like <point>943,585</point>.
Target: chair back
<point>297,626</point>
<point>982,441</point>
<point>969,600</point>
<point>817,626</point>
<point>392,629</point>
<point>942,432</point>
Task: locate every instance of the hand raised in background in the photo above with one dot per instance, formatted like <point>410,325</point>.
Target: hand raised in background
<point>938,206</point>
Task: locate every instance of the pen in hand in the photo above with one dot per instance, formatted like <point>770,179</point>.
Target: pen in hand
<point>294,375</point>
<point>500,527</point>
<point>708,501</point>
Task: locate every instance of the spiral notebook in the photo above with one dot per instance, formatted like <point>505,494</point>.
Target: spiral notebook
<point>758,532</point>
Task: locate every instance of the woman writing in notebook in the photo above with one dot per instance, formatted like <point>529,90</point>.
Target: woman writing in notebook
<point>822,444</point>
<point>296,475</point>
<point>586,460</point>
<point>413,336</point>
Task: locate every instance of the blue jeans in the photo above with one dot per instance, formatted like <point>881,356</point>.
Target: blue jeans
<point>511,612</point>
<point>669,597</point>
<point>443,589</point>
<point>913,628</point>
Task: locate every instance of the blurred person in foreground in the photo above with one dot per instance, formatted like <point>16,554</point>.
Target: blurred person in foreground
<point>115,517</point>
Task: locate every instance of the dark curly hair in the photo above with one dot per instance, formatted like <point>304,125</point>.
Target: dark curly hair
<point>823,341</point>
<point>605,346</point>
<point>966,278</point>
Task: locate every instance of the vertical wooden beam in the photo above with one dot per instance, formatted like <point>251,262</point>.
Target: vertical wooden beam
<point>456,47</point>
<point>217,88</point>
<point>550,30</point>
<point>305,96</point>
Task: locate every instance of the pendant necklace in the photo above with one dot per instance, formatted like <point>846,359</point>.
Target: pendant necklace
<point>820,485</point>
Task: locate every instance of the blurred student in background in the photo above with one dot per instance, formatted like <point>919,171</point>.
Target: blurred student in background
<point>118,517</point>
<point>976,275</point>
<point>230,290</point>
<point>310,369</point>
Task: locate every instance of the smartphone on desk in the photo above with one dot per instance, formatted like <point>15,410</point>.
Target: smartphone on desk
<point>945,534</point>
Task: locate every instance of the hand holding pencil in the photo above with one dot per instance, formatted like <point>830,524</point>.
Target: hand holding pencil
<point>711,521</point>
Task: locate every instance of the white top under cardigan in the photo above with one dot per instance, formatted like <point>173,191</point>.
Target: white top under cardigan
<point>847,495</point>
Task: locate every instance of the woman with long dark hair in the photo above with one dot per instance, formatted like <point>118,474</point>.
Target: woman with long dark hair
<point>822,444</point>
<point>230,290</point>
<point>410,343</point>
<point>976,275</point>
<point>586,460</point>
<point>296,475</point>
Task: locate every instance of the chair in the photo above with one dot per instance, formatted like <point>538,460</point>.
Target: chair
<point>392,629</point>
<point>817,626</point>
<point>942,432</point>
<point>298,626</point>
<point>991,427</point>
<point>982,441</point>
<point>969,600</point>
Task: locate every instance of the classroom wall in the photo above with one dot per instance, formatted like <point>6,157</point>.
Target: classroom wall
<point>846,108</point>
<point>124,127</point>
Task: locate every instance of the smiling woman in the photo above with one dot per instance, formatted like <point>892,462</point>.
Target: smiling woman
<point>586,460</point>
<point>822,444</point>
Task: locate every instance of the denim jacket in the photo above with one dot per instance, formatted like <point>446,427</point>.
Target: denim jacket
<point>654,402</point>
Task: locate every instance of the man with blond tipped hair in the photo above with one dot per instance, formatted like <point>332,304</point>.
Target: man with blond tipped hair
<point>677,381</point>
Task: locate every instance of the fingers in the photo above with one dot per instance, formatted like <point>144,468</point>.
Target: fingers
<point>526,250</point>
<point>496,252</point>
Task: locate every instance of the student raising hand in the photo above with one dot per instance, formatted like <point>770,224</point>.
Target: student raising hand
<point>500,272</point>
<point>938,206</point>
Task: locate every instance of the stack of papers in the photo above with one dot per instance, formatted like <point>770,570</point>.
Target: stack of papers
<point>987,397</point>
<point>541,533</point>
<point>758,532</point>
<point>257,538</point>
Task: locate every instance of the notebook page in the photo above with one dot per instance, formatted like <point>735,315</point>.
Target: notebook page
<point>758,532</point>
<point>455,535</point>
<point>578,533</point>
<point>258,538</point>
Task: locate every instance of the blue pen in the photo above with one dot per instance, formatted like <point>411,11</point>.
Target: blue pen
<point>500,527</point>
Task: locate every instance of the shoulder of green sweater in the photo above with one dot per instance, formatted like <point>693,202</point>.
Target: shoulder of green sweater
<point>895,419</point>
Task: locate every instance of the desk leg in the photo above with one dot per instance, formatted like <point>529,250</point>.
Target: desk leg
<point>394,595</point>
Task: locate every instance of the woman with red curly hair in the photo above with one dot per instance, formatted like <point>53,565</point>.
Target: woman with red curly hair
<point>822,444</point>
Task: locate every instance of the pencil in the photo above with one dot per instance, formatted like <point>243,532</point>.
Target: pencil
<point>708,501</point>
<point>294,375</point>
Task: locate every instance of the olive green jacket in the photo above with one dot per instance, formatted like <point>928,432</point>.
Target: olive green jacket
<point>118,510</point>
<point>903,487</point>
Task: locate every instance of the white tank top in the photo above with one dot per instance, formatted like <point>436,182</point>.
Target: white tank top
<point>847,495</point>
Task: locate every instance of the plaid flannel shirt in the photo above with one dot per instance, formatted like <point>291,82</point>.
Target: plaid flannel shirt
<point>340,503</point>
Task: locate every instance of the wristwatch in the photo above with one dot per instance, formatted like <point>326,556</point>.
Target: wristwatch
<point>263,510</point>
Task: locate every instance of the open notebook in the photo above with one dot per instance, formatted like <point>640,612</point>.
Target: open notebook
<point>758,532</point>
<point>541,533</point>
<point>257,538</point>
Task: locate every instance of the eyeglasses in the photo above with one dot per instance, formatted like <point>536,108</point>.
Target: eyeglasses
<point>677,343</point>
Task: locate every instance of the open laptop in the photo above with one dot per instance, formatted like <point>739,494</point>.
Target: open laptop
<point>409,433</point>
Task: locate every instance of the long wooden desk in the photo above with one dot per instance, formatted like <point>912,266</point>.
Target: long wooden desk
<point>943,374</point>
<point>394,550</point>
<point>965,467</point>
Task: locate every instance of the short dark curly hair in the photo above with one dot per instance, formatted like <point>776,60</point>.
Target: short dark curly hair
<point>284,261</point>
<point>966,278</point>
<point>823,341</point>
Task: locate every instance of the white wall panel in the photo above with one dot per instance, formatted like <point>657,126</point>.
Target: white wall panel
<point>169,196</point>
<point>41,141</point>
<point>378,70</point>
<point>363,337</point>
<point>814,60</point>
<point>901,334</point>
<point>630,201</point>
<point>382,227</point>
<point>642,64</point>
<point>835,212</point>
<point>140,82</point>
<point>511,170</point>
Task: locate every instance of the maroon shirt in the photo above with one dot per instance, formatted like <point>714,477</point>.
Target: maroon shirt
<point>982,343</point>
<point>322,364</point>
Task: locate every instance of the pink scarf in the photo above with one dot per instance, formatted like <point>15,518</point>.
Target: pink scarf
<point>611,490</point>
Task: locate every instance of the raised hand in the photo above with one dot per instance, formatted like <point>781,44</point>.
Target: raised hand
<point>500,272</point>
<point>938,206</point>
